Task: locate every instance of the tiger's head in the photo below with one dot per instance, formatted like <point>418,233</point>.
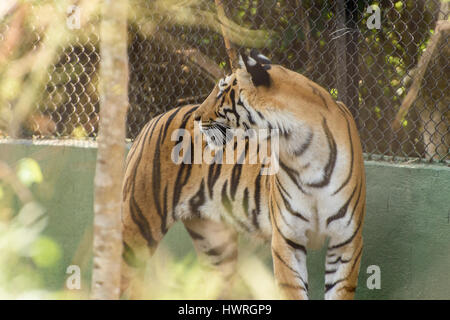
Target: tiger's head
<point>258,95</point>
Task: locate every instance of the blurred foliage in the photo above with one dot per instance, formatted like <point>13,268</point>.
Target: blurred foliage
<point>171,277</point>
<point>33,71</point>
<point>24,250</point>
<point>29,172</point>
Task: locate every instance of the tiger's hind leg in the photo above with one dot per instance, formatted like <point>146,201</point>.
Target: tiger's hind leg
<point>342,267</point>
<point>345,251</point>
<point>217,244</point>
<point>289,262</point>
<point>142,232</point>
<point>289,257</point>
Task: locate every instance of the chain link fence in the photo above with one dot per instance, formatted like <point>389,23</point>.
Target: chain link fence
<point>177,53</point>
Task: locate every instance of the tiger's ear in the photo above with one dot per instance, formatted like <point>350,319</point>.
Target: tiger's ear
<point>253,66</point>
<point>262,59</point>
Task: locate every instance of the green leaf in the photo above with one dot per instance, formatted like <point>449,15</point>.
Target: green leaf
<point>29,172</point>
<point>334,92</point>
<point>45,252</point>
<point>79,132</point>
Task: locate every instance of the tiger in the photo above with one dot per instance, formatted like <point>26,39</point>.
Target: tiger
<point>316,196</point>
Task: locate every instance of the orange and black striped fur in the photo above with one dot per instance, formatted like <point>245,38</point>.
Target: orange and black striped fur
<point>318,192</point>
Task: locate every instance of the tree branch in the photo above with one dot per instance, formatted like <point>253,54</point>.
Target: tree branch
<point>191,55</point>
<point>231,51</point>
<point>441,27</point>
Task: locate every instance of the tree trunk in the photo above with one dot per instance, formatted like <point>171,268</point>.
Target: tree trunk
<point>111,150</point>
<point>347,56</point>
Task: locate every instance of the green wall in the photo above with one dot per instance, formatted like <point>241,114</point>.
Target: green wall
<point>406,232</point>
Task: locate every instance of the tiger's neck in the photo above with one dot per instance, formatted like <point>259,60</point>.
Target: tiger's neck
<point>297,142</point>
<point>301,150</point>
